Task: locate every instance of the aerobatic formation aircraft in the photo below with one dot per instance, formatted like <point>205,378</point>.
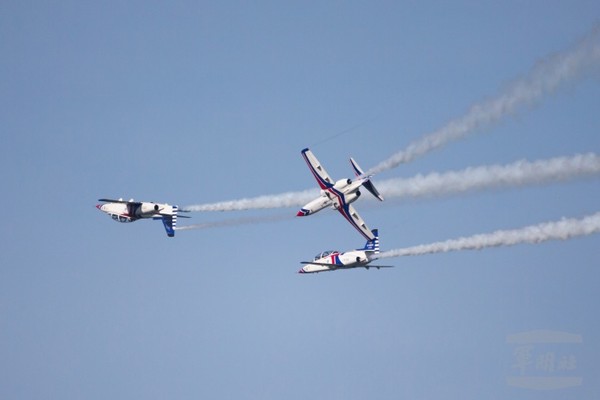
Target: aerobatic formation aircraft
<point>129,211</point>
<point>340,194</point>
<point>333,260</point>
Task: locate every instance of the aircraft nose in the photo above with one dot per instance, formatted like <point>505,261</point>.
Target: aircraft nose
<point>99,207</point>
<point>301,271</point>
<point>302,213</point>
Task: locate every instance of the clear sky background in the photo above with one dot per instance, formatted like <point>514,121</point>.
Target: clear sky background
<point>196,102</point>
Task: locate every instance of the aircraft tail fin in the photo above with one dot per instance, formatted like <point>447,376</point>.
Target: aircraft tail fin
<point>170,222</point>
<point>373,244</point>
<point>367,184</point>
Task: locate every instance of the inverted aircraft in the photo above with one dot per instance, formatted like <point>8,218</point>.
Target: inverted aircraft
<point>129,211</point>
<point>340,194</point>
<point>333,260</point>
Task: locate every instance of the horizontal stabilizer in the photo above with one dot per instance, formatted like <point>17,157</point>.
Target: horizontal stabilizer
<point>367,184</point>
<point>371,188</point>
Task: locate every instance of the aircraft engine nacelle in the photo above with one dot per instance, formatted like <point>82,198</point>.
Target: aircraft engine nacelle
<point>352,197</point>
<point>147,209</point>
<point>342,183</point>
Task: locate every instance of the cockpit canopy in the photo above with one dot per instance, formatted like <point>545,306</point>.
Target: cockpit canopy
<point>325,254</point>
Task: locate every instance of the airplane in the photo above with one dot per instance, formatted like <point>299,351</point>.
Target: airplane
<point>129,211</point>
<point>334,260</point>
<point>339,195</point>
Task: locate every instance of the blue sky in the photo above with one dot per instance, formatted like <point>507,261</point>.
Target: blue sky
<point>190,103</point>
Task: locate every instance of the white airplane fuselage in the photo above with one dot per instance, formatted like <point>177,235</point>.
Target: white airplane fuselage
<point>344,190</point>
<point>123,212</point>
<point>333,260</point>
<point>129,211</point>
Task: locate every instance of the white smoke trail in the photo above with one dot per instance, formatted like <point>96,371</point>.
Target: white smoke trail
<point>545,77</point>
<point>437,184</point>
<point>236,222</point>
<point>519,173</point>
<point>558,230</point>
<point>290,199</point>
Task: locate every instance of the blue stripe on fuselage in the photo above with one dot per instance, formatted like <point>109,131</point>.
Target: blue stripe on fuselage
<point>344,210</point>
<point>322,182</point>
<point>346,213</point>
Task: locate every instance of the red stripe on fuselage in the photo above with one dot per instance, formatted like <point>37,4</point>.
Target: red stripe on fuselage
<point>320,180</point>
<point>342,199</point>
<point>342,210</point>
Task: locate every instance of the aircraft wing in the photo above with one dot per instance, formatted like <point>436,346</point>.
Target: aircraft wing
<point>320,263</point>
<point>116,201</point>
<point>121,201</point>
<point>356,221</point>
<point>334,266</point>
<point>322,177</point>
